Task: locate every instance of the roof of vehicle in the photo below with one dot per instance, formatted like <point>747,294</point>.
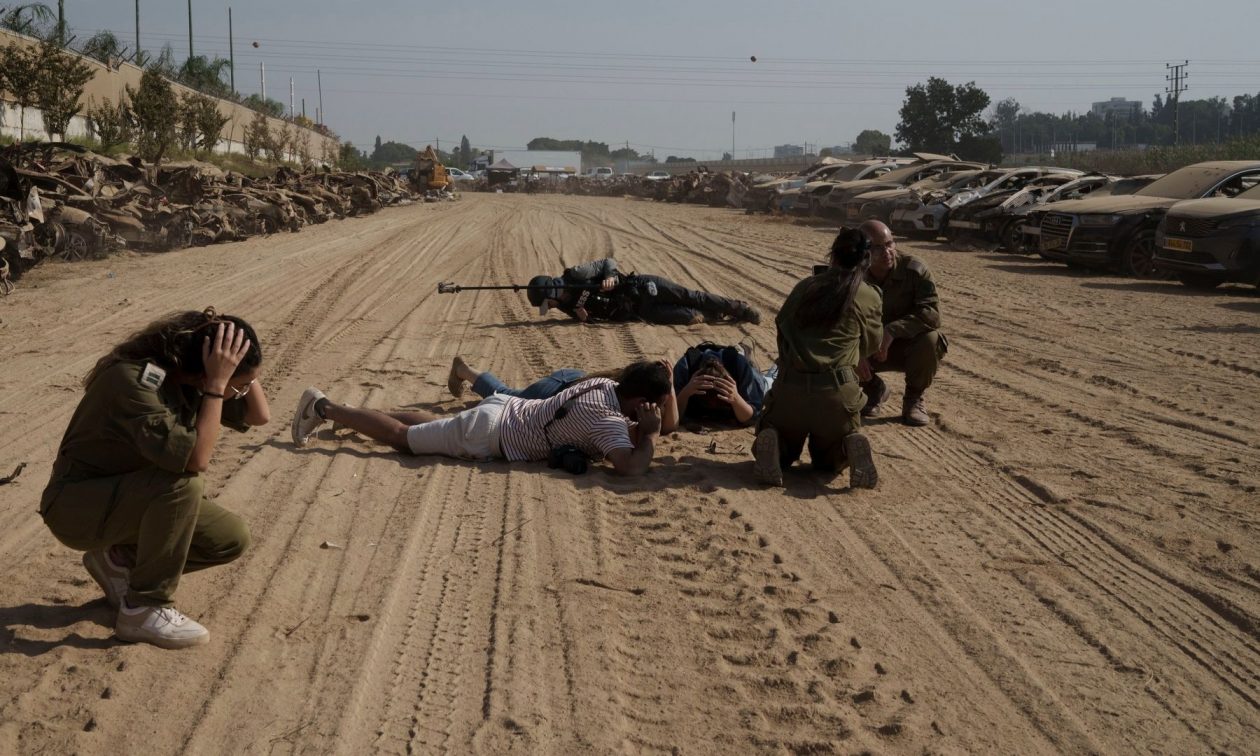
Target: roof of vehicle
<point>1193,180</point>
<point>1215,207</point>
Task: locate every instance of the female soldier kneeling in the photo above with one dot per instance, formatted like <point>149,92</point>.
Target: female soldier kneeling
<point>126,486</point>
<point>827,327</point>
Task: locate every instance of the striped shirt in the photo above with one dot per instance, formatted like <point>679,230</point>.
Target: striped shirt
<point>594,423</point>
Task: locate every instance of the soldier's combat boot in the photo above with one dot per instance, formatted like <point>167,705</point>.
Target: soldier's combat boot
<point>765,451</point>
<point>876,394</point>
<point>743,312</point>
<point>912,411</point>
<point>862,473</point>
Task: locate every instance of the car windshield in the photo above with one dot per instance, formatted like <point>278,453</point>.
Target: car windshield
<point>851,172</point>
<point>1194,181</point>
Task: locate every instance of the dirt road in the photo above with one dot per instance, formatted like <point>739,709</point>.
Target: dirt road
<point>1066,561</point>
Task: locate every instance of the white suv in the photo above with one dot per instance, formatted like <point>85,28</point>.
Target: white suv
<point>603,173</point>
<point>658,176</point>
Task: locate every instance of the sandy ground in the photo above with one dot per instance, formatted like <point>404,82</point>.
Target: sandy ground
<point>1066,561</point>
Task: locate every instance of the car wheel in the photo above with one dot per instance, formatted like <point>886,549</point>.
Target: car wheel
<point>1011,238</point>
<point>1138,257</point>
<point>77,246</point>
<point>1200,281</point>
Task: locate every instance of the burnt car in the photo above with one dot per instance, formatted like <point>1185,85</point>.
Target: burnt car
<point>984,216</point>
<point>766,193</point>
<point>805,200</point>
<point>919,215</point>
<point>831,204</point>
<point>879,204</point>
<point>1022,234</point>
<point>1118,232</point>
<point>1205,243</point>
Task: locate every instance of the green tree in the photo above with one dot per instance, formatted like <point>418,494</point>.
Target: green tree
<point>390,153</point>
<point>349,158</point>
<point>103,46</point>
<point>257,136</point>
<point>111,123</point>
<point>156,111</point>
<point>266,106</point>
<point>59,86</point>
<point>31,19</point>
<point>377,146</point>
<point>825,152</point>
<point>201,123</point>
<point>1003,120</point>
<point>465,152</point>
<point>873,142</point>
<point>19,65</point>
<point>936,115</point>
<point>206,75</point>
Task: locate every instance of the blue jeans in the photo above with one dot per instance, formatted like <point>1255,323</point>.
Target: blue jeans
<point>488,384</point>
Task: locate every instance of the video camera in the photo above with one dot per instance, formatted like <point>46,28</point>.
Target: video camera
<point>568,458</point>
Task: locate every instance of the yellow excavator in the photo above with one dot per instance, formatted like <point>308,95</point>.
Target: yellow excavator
<point>429,173</point>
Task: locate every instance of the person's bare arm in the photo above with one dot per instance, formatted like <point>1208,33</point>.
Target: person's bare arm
<point>670,412</point>
<point>257,411</point>
<point>636,461</point>
<point>221,353</point>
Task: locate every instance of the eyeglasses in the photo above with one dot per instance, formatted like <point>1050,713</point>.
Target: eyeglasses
<point>238,393</point>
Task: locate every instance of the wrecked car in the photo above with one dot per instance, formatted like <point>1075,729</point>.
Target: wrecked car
<point>1118,232</point>
<point>1207,242</point>
<point>831,203</point>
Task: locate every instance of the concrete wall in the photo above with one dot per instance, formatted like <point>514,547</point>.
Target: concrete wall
<point>109,82</point>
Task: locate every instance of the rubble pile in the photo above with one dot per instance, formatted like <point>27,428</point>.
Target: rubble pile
<point>62,201</point>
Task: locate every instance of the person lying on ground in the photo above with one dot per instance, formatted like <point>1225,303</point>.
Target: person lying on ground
<point>126,488</point>
<point>711,383</point>
<point>615,297</point>
<point>592,416</point>
<point>829,324</point>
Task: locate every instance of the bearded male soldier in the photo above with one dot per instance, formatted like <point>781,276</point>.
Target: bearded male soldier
<point>912,343</point>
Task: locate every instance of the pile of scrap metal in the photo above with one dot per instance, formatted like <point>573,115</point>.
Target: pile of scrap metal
<point>61,200</point>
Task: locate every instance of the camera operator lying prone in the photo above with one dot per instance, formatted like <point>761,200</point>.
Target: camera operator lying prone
<point>618,418</point>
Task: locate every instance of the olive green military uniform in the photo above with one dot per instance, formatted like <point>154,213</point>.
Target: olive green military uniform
<point>816,396</point>
<point>912,316</point>
<point>119,480</point>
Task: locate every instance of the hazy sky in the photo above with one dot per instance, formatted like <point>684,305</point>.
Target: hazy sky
<point>666,75</point>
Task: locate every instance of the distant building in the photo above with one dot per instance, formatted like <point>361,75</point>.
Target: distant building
<point>788,150</point>
<point>1116,105</point>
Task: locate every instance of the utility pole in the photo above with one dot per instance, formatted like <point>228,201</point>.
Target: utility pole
<point>138,60</point>
<point>190,46</point>
<point>732,135</point>
<point>319,82</point>
<point>231,52</point>
<point>262,79</point>
<point>290,96</point>
<point>1176,78</point>
<point>61,22</point>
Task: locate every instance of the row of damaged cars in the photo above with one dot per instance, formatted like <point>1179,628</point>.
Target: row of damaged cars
<point>62,201</point>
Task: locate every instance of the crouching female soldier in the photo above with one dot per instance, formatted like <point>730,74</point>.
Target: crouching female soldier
<point>829,323</point>
<point>126,486</point>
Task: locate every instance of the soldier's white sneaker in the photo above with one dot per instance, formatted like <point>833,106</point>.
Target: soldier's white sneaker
<point>112,578</point>
<point>765,451</point>
<point>162,626</point>
<point>306,419</point>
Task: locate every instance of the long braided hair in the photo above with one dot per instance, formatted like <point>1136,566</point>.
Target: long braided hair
<point>830,295</point>
<point>175,343</point>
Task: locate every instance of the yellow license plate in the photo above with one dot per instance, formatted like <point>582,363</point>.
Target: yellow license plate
<point>1178,245</point>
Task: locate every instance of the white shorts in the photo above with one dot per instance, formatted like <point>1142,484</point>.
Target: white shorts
<point>472,434</point>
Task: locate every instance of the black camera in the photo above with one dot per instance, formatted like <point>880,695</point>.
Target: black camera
<point>568,458</point>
